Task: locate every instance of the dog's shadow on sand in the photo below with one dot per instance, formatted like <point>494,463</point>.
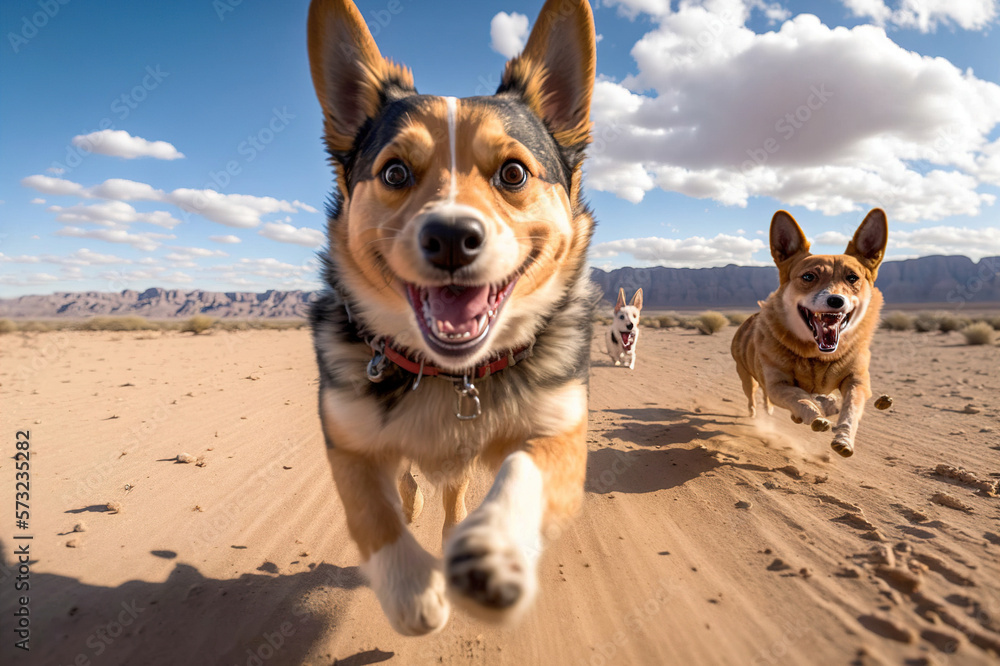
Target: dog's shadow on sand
<point>646,469</point>
<point>186,619</point>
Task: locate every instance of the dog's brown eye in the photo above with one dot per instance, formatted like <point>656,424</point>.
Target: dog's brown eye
<point>852,278</point>
<point>808,277</point>
<point>395,174</point>
<point>513,174</point>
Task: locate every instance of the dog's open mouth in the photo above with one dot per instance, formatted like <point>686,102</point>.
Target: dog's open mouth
<point>456,320</point>
<point>626,339</point>
<point>826,327</point>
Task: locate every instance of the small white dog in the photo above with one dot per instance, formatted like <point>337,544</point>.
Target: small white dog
<point>624,330</point>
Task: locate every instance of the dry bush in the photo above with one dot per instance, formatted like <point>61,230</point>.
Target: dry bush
<point>737,318</point>
<point>897,321</point>
<point>34,327</point>
<point>978,334</point>
<point>711,322</point>
<point>649,322</point>
<point>927,322</point>
<point>7,326</point>
<point>668,321</point>
<point>948,323</point>
<point>197,324</point>
<point>994,322</point>
<point>127,323</point>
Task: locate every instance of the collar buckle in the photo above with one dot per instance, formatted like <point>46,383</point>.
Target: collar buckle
<point>467,396</point>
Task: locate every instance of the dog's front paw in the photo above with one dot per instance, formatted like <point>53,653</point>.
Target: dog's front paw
<point>409,586</point>
<point>843,444</point>
<point>488,571</point>
<point>820,425</point>
<point>827,403</point>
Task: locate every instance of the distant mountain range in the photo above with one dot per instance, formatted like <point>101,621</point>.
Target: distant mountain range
<point>953,281</point>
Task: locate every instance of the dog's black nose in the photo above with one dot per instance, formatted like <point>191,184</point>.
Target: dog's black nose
<point>629,326</point>
<point>451,243</point>
<point>835,301</point>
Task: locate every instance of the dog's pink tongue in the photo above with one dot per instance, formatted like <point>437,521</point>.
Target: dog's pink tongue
<point>828,330</point>
<point>457,309</point>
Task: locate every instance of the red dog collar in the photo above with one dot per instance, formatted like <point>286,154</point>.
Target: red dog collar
<point>422,369</point>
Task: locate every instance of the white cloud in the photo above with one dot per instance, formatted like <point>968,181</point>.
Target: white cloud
<point>83,257</point>
<point>37,200</point>
<point>56,170</point>
<point>229,239</point>
<point>286,233</point>
<point>234,210</point>
<point>832,119</point>
<point>973,243</point>
<point>119,143</point>
<point>198,252</point>
<point>112,214</point>
<point>147,242</point>
<point>688,252</point>
<point>20,259</point>
<point>508,33</point>
<point>927,15</point>
<point>27,279</point>
<point>54,186</point>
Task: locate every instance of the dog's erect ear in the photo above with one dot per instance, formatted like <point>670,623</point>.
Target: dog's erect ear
<point>621,300</point>
<point>555,72</point>
<point>787,242</point>
<point>637,300</point>
<point>352,79</point>
<point>868,244</point>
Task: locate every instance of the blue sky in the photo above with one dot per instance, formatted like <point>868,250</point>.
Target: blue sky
<point>709,116</point>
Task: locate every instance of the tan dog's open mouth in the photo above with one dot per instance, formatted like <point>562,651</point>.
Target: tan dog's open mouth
<point>826,327</point>
<point>456,320</point>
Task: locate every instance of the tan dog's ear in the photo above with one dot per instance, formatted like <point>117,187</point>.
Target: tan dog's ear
<point>637,300</point>
<point>352,79</point>
<point>555,72</point>
<point>868,244</point>
<point>787,242</point>
<point>621,300</point>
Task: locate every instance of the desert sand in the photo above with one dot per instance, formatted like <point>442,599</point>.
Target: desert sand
<point>705,537</point>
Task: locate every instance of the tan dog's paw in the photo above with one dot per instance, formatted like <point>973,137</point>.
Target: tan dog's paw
<point>796,419</point>
<point>883,402</point>
<point>820,425</point>
<point>409,586</point>
<point>843,445</point>
<point>488,574</point>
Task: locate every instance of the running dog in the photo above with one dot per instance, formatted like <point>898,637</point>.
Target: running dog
<point>623,333</point>
<point>454,329</point>
<point>812,335</point>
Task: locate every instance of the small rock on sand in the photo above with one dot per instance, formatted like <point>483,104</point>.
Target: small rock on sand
<point>80,527</point>
<point>971,409</point>
<point>951,502</point>
<point>115,507</point>
<point>883,402</point>
<point>743,504</point>
<point>185,458</point>
<point>73,543</point>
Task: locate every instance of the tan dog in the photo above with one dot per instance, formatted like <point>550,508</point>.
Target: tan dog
<point>811,336</point>
<point>623,333</point>
<point>455,325</point>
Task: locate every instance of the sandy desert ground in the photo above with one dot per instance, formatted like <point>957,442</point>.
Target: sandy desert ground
<point>705,538</point>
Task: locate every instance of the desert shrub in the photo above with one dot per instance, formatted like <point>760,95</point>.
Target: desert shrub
<point>994,322</point>
<point>232,325</point>
<point>7,326</point>
<point>33,327</point>
<point>127,323</point>
<point>668,321</point>
<point>197,324</point>
<point>649,322</point>
<point>711,322</point>
<point>737,318</point>
<point>926,322</point>
<point>978,334</point>
<point>949,324</point>
<point>897,321</point>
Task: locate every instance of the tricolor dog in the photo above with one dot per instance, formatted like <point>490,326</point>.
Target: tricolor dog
<point>454,329</point>
<point>623,333</point>
<point>811,337</point>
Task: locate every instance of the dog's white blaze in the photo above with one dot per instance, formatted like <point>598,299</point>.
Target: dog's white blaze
<point>452,104</point>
